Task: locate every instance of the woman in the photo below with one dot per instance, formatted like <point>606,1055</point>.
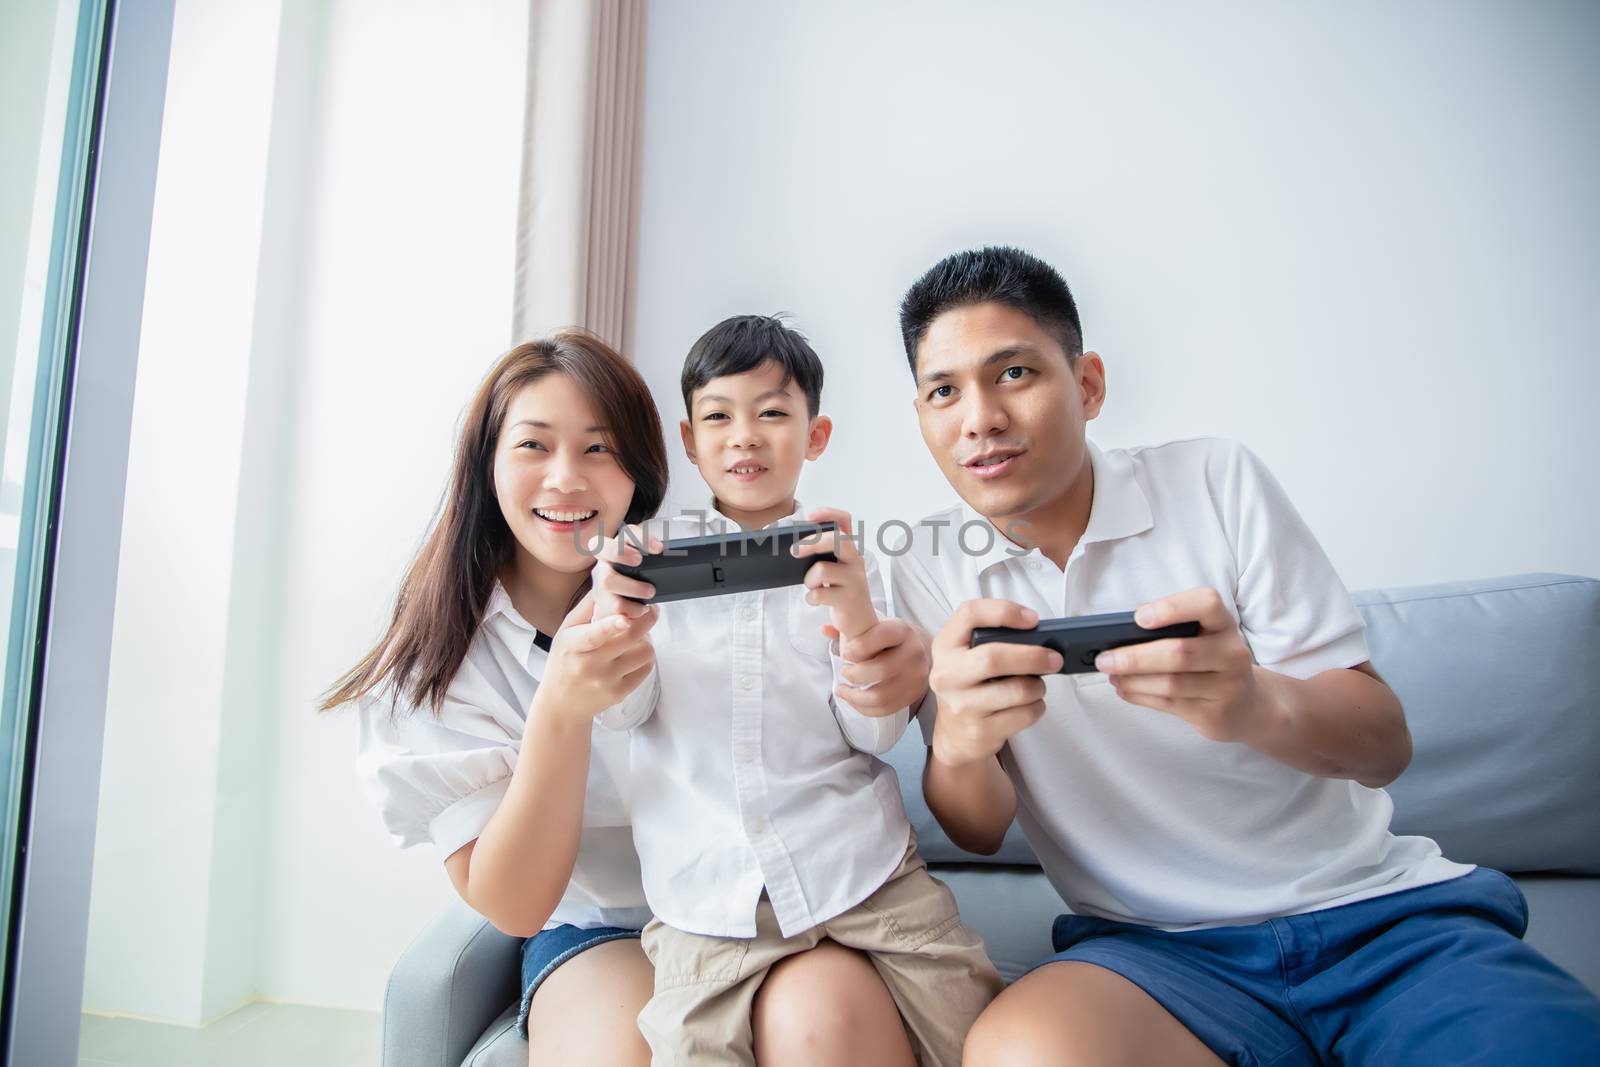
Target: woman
<point>478,712</point>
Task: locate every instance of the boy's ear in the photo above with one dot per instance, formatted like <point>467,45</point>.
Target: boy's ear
<point>688,440</point>
<point>1090,371</point>
<point>817,440</point>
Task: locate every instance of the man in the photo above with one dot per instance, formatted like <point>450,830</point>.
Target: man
<point>1211,809</point>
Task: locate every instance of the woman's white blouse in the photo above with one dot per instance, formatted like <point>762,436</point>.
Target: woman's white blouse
<point>439,776</point>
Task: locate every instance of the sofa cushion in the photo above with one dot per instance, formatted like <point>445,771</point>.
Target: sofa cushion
<point>1500,680</point>
<point>908,757</point>
<point>500,1045</point>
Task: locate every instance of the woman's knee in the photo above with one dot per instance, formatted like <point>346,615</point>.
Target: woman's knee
<point>586,1011</point>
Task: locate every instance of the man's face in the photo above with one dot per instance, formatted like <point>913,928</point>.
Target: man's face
<point>1001,409</point>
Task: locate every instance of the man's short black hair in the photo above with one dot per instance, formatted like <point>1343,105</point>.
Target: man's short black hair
<point>1000,275</point>
<point>745,342</point>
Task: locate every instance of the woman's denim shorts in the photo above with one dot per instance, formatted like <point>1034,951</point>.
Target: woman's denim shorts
<point>548,949</point>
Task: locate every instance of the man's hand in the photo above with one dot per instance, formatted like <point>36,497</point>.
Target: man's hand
<point>1209,681</point>
<point>612,590</point>
<point>989,693</point>
<point>841,586</point>
<point>886,668</point>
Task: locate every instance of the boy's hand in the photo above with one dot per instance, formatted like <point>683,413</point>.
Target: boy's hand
<point>885,669</point>
<point>1208,681</point>
<point>612,589</point>
<point>989,693</point>
<point>841,586</point>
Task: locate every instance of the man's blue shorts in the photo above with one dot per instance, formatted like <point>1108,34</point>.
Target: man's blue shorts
<point>1432,975</point>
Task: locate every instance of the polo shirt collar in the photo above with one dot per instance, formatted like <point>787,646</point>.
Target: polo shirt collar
<point>1119,509</point>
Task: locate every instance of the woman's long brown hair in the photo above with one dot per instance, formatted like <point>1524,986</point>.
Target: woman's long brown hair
<point>444,594</point>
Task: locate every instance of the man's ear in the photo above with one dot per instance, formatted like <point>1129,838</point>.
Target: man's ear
<point>688,440</point>
<point>1090,372</point>
<point>817,440</point>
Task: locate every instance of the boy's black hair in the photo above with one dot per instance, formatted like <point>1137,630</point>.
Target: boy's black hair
<point>744,343</point>
<point>997,274</point>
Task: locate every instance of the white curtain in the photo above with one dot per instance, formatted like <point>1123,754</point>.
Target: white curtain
<point>580,154</point>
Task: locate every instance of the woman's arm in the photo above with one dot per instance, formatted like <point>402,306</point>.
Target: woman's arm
<point>517,870</point>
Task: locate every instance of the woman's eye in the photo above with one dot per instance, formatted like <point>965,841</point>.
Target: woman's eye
<point>596,449</point>
<point>531,445</point>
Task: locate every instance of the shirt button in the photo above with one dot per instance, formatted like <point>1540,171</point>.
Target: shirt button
<point>1034,565</point>
<point>747,683</point>
<point>757,825</point>
<point>748,755</point>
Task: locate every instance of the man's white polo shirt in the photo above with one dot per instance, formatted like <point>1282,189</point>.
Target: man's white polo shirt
<point>1134,815</point>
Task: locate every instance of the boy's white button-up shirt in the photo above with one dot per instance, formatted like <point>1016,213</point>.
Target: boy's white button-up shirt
<point>1134,815</point>
<point>748,774</point>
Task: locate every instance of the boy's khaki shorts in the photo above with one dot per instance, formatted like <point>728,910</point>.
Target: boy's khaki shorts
<point>934,966</point>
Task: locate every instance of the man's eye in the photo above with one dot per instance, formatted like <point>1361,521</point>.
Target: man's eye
<point>715,416</point>
<point>773,411</point>
<point>940,392</point>
<point>1011,374</point>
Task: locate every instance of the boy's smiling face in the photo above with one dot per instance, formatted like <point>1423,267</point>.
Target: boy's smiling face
<point>749,434</point>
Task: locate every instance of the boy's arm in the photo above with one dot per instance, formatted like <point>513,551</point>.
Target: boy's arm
<point>851,589</point>
<point>868,727</point>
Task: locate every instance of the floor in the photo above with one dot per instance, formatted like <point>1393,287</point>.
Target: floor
<point>256,1035</point>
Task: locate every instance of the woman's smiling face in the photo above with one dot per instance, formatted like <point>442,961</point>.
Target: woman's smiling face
<point>557,480</point>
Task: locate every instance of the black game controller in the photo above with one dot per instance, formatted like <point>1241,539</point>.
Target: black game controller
<point>717,564</point>
<point>1081,639</point>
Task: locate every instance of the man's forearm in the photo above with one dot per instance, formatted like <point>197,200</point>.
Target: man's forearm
<point>974,802</point>
<point>1338,724</point>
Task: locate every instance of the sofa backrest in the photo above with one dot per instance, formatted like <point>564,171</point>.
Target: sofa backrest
<point>1500,679</point>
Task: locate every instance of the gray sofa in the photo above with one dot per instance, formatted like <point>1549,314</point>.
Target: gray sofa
<point>1501,685</point>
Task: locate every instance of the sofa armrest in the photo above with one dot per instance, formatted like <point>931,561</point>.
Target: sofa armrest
<point>448,985</point>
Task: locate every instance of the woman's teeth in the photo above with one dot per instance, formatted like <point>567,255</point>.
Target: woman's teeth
<point>564,516</point>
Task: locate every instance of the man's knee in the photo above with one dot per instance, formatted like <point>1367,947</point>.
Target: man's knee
<point>1015,1033</point>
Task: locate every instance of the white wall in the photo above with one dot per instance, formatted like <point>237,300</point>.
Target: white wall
<point>166,797</point>
<point>406,277</point>
<point>331,273</point>
<point>1361,237</point>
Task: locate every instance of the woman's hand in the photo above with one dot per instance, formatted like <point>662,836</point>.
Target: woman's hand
<point>594,662</point>
<point>616,593</point>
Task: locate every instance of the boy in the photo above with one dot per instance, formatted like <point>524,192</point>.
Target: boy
<point>763,819</point>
